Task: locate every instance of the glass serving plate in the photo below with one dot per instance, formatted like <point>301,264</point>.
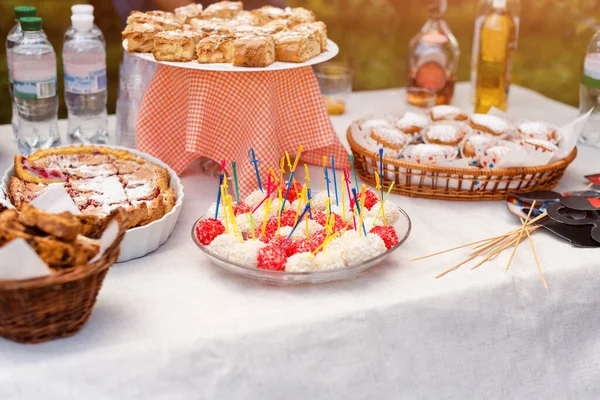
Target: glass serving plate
<point>282,278</point>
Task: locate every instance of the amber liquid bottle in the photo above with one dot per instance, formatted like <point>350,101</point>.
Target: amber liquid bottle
<point>497,36</point>
<point>433,59</point>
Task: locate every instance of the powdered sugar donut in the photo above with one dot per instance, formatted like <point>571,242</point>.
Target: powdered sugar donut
<point>475,144</point>
<point>445,133</point>
<point>447,113</point>
<point>490,124</point>
<point>538,146</point>
<point>412,124</point>
<point>538,130</point>
<point>430,154</point>
<point>392,140</point>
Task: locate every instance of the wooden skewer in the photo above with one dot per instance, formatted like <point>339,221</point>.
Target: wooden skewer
<point>523,228</point>
<point>454,268</point>
<point>537,261</point>
<point>501,248</point>
<point>588,186</point>
<point>455,248</point>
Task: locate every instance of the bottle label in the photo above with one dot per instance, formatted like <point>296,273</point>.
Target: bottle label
<point>37,90</point>
<point>591,70</point>
<point>89,82</point>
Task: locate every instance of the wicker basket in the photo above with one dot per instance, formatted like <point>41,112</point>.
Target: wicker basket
<point>40,310</point>
<point>464,184</point>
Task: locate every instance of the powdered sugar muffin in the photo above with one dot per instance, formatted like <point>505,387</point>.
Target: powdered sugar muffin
<point>393,140</point>
<point>490,124</point>
<point>538,130</point>
<point>430,154</point>
<point>474,145</point>
<point>412,124</point>
<point>447,113</point>
<point>445,133</point>
<point>538,145</point>
<point>492,155</point>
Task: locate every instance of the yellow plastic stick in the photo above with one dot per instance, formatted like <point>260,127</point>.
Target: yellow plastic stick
<point>279,203</point>
<point>252,225</point>
<point>281,169</point>
<point>306,176</point>
<point>384,200</point>
<point>378,187</point>
<point>300,148</point>
<point>325,242</point>
<point>362,208</point>
<point>267,209</point>
<point>224,208</point>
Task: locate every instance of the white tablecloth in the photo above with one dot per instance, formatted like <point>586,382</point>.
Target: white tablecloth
<point>171,326</point>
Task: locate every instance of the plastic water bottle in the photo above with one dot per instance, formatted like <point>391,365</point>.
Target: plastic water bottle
<point>589,93</point>
<point>135,75</point>
<point>84,65</point>
<point>34,85</point>
<point>84,9</point>
<point>13,35</point>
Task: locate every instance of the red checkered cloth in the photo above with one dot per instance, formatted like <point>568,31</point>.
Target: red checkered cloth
<point>189,113</point>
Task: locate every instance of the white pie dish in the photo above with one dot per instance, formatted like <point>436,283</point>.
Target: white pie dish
<point>145,239</point>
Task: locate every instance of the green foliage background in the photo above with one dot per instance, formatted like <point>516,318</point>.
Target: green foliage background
<point>373,36</point>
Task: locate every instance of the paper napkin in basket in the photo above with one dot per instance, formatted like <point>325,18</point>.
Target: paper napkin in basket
<point>18,261</point>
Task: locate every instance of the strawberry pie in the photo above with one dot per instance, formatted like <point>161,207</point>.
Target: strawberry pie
<point>98,179</point>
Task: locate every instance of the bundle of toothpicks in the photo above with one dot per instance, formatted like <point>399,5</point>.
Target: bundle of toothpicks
<point>488,249</point>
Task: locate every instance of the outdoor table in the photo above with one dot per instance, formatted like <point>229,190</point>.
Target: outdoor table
<point>173,326</point>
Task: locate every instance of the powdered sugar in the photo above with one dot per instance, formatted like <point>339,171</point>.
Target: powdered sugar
<point>537,130</point>
<point>445,112</point>
<point>389,135</point>
<point>444,133</point>
<point>495,124</point>
<point>411,119</point>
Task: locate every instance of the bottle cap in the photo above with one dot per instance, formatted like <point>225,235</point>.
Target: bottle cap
<point>85,9</point>
<point>31,24</point>
<point>499,4</point>
<point>82,22</point>
<point>24,11</point>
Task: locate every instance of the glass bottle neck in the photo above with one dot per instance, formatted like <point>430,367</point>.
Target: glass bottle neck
<point>437,9</point>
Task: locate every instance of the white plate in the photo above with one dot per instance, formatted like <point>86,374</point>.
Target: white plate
<point>332,51</point>
<point>143,240</point>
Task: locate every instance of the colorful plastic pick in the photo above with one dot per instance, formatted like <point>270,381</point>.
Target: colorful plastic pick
<point>307,176</point>
<point>359,210</point>
<point>381,167</point>
<point>363,190</point>
<point>348,182</point>
<point>384,200</point>
<point>327,180</point>
<point>309,199</point>
<point>266,218</point>
<point>279,205</point>
<point>343,181</point>
<point>235,179</point>
<point>219,195</point>
<point>296,225</point>
<point>380,194</point>
<point>254,161</point>
<point>354,171</point>
<point>337,201</point>
<point>287,191</point>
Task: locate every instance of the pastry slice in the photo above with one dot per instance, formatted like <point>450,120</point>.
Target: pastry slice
<point>254,51</point>
<point>269,13</point>
<point>187,13</point>
<point>20,192</point>
<point>295,46</point>
<point>223,9</point>
<point>316,28</point>
<point>164,20</point>
<point>139,37</point>
<point>215,26</point>
<point>275,26</point>
<point>247,18</point>
<point>64,226</point>
<point>215,49</point>
<point>176,45</point>
<point>300,15</point>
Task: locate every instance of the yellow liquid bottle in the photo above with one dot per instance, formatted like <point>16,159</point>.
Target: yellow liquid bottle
<point>497,35</point>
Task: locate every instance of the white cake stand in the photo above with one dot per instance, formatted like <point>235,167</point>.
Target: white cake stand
<point>332,51</point>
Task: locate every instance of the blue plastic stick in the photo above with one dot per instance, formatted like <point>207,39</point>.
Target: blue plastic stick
<point>219,196</point>
<point>287,191</point>
<point>306,209</point>
<point>381,170</point>
<point>337,200</point>
<point>358,209</point>
<point>254,161</point>
<point>327,180</point>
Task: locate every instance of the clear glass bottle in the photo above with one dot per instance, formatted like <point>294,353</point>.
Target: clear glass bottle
<point>13,35</point>
<point>433,59</point>
<point>34,84</point>
<point>589,93</point>
<point>484,9</point>
<point>84,66</point>
<point>496,50</point>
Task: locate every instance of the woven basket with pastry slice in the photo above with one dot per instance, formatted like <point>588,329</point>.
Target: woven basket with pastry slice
<point>79,250</point>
